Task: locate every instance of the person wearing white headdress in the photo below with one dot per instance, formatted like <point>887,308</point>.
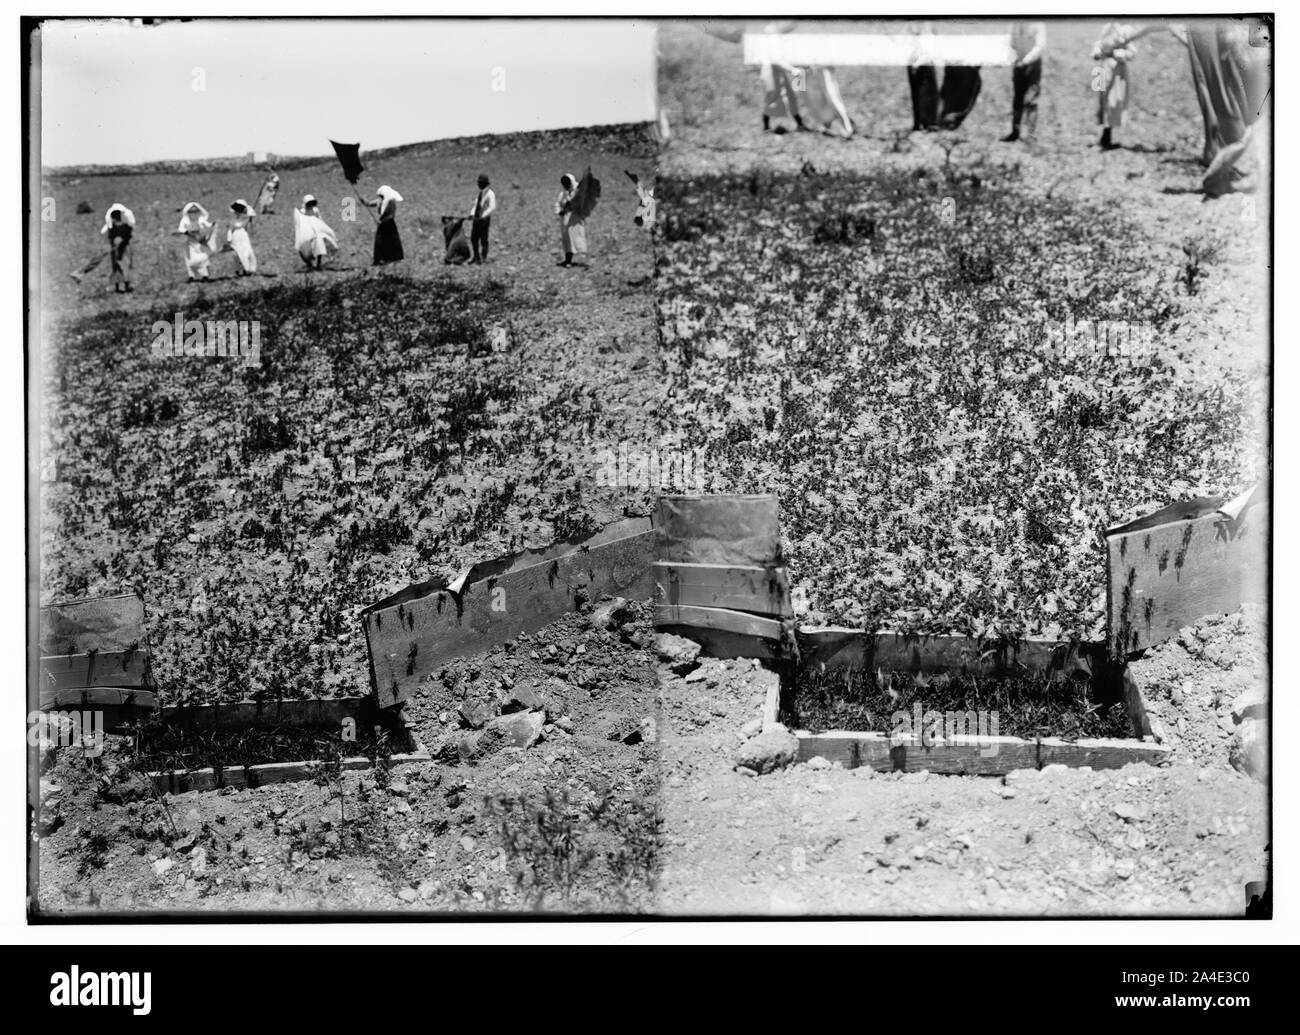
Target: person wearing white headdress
<point>311,236</point>
<point>573,233</point>
<point>199,233</point>
<point>119,225</point>
<point>388,242</point>
<point>237,236</point>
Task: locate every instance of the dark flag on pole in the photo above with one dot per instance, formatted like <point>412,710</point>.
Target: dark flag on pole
<point>349,156</point>
<point>586,195</point>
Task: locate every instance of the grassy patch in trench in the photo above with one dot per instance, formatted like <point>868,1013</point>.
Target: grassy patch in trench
<point>1026,706</point>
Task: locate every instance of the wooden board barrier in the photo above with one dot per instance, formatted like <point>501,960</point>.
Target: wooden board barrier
<point>764,591</point>
<point>111,623</point>
<point>839,647</point>
<point>723,633</point>
<point>742,531</point>
<point>1168,571</point>
<point>101,668</point>
<point>324,712</point>
<point>971,755</point>
<point>414,633</point>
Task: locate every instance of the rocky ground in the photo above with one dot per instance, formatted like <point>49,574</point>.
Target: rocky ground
<point>542,795</point>
<point>1177,840</point>
<point>1208,691</point>
<point>571,772</point>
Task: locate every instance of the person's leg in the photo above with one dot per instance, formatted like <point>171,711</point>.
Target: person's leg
<point>1017,102</point>
<point>487,229</point>
<point>1029,101</point>
<point>961,87</point>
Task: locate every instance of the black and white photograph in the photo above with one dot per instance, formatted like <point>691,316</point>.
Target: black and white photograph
<point>600,468</point>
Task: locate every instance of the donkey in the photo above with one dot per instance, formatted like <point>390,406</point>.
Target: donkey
<point>453,234</point>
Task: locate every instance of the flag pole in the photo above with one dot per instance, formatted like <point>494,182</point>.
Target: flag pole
<point>364,205</point>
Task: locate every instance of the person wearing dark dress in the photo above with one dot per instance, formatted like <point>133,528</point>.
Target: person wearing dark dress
<point>925,96</point>
<point>119,225</point>
<point>957,96</point>
<point>923,82</point>
<point>388,242</point>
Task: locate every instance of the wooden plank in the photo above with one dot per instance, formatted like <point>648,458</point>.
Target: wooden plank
<point>723,633</point>
<point>321,711</point>
<point>737,587</point>
<point>182,781</point>
<point>112,623</point>
<point>416,636</point>
<point>1145,725</point>
<point>840,647</point>
<point>722,643</point>
<point>1160,578</point>
<point>1133,701</point>
<point>718,618</point>
<point>772,703</point>
<point>971,755</point>
<point>103,668</point>
<point>99,697</point>
<point>744,531</point>
<point>1101,754</point>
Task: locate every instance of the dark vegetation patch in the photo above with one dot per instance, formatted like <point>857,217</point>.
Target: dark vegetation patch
<point>1026,706</point>
<point>159,746</point>
<point>394,430</point>
<point>907,359</point>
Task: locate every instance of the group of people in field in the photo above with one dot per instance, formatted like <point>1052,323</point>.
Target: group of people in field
<point>313,238</point>
<point>1230,77</point>
<point>315,241</point>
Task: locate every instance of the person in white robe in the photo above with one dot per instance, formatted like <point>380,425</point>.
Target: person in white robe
<point>573,233</point>
<point>311,236</point>
<point>238,237</point>
<point>200,234</point>
<point>823,106</point>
